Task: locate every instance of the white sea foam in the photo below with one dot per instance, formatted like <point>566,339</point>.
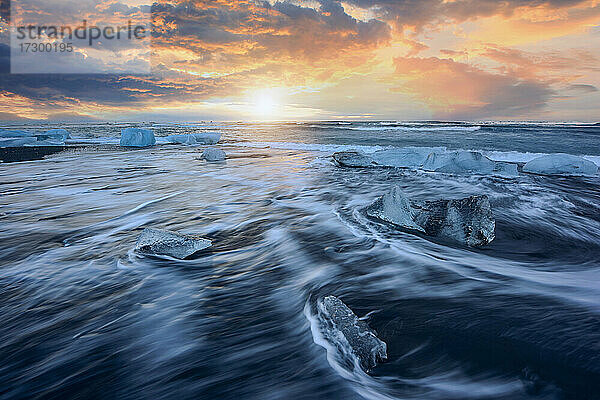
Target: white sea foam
<point>415,128</point>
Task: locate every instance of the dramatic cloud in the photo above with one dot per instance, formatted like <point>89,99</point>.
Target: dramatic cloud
<point>460,91</point>
<point>419,13</point>
<point>459,59</point>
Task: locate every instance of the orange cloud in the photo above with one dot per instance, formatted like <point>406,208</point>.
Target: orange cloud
<point>220,50</point>
<point>460,91</point>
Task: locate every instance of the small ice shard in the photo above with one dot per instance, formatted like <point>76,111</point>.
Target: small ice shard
<point>457,162</point>
<point>195,138</point>
<point>353,159</point>
<point>169,243</point>
<point>213,154</point>
<point>561,164</point>
<point>394,207</point>
<point>55,135</point>
<point>137,137</point>
<point>363,341</point>
<point>406,157</point>
<point>467,221</point>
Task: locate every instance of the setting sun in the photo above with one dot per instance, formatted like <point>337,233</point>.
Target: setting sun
<point>266,104</point>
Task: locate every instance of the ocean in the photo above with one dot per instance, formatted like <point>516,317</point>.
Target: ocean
<point>84,316</point>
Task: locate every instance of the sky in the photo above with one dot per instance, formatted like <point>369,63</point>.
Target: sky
<point>331,60</point>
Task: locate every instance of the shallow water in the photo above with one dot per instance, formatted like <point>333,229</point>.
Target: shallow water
<point>83,316</point>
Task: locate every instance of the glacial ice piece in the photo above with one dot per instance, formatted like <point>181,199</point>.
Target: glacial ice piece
<point>406,157</point>
<point>353,159</point>
<point>213,154</point>
<point>394,207</point>
<point>137,137</point>
<point>18,142</point>
<point>362,340</point>
<point>436,159</point>
<point>55,135</point>
<point>195,138</point>
<point>169,243</point>
<point>467,221</point>
<point>457,162</point>
<point>505,169</point>
<point>14,133</point>
<point>561,164</point>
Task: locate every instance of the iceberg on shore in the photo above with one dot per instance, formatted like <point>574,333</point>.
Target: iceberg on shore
<point>195,138</point>
<point>137,137</point>
<point>18,138</point>
<point>345,328</point>
<point>561,164</point>
<point>468,221</point>
<point>435,159</point>
<point>169,243</point>
<point>213,154</point>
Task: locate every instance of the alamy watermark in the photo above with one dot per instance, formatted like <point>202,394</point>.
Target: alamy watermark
<point>80,37</point>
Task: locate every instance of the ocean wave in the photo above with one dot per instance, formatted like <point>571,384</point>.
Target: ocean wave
<point>324,148</point>
<point>395,126</point>
<point>417,128</point>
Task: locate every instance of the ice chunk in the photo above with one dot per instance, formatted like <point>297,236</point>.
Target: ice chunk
<point>352,159</point>
<point>506,169</point>
<point>56,135</point>
<point>8,133</point>
<point>195,138</point>
<point>467,221</point>
<point>407,157</point>
<point>174,244</point>
<point>17,142</point>
<point>394,207</point>
<point>340,320</point>
<point>561,164</point>
<point>436,159</point>
<point>458,162</point>
<point>137,137</point>
<point>213,154</point>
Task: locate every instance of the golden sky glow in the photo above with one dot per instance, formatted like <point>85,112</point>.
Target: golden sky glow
<point>404,59</point>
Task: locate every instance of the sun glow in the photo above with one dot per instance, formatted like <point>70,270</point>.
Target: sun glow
<point>266,104</point>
